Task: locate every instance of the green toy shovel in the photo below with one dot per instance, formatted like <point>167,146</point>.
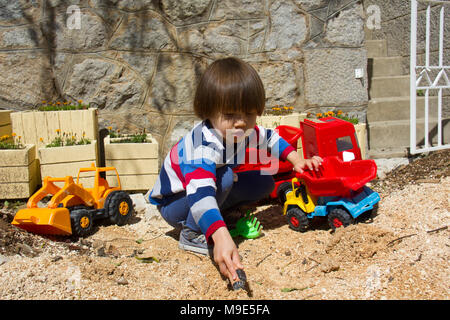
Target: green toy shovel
<point>248,227</point>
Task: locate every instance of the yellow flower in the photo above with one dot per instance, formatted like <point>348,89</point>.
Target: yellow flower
<point>44,102</point>
<point>319,115</point>
<point>58,131</point>
<point>41,139</point>
<point>13,134</point>
<point>109,128</point>
<point>80,101</point>
<point>285,108</point>
<point>58,103</point>
<point>291,108</point>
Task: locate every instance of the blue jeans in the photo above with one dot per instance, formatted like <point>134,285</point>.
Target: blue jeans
<point>250,187</point>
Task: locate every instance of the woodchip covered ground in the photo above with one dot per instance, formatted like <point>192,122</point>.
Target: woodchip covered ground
<point>402,252</point>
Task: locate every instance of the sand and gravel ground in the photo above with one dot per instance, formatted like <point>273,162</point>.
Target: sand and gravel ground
<point>401,252</point>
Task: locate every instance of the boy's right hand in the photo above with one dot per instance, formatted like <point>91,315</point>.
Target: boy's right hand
<point>226,254</point>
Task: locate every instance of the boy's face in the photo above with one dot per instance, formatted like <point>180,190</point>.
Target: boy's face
<point>234,126</point>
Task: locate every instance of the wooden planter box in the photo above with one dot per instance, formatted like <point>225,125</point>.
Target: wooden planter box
<point>18,172</point>
<point>33,125</point>
<point>58,162</point>
<point>272,121</point>
<point>293,120</point>
<point>5,123</point>
<point>361,135</point>
<point>136,163</point>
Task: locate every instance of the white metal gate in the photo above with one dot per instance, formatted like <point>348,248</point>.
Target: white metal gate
<point>427,77</point>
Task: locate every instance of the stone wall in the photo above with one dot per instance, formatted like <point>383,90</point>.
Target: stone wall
<point>138,61</point>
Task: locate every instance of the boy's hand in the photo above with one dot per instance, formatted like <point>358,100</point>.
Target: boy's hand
<point>300,164</point>
<point>311,164</point>
<point>226,254</point>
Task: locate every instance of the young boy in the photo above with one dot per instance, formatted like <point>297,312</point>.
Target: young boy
<point>196,183</point>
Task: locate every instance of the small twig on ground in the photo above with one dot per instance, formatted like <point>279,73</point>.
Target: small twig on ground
<point>310,296</point>
<point>263,259</point>
<point>195,254</point>
<point>401,238</point>
<point>415,234</point>
<point>313,260</point>
<point>438,229</point>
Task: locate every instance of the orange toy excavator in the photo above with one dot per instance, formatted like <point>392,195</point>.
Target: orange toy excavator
<point>73,208</point>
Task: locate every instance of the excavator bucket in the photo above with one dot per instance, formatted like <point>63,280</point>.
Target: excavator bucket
<point>44,220</point>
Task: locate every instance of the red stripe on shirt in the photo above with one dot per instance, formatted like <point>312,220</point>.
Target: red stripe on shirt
<point>175,163</point>
<point>199,173</point>
<point>286,152</point>
<point>212,228</point>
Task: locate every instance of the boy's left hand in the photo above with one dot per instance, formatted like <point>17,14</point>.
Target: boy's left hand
<point>311,164</point>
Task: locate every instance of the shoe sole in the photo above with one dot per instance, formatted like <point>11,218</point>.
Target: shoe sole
<point>206,252</point>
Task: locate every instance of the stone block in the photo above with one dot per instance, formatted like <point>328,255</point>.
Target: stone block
<point>238,9</point>
<point>186,11</point>
<point>347,28</point>
<point>26,78</point>
<point>288,26</point>
<point>105,84</point>
<point>330,77</point>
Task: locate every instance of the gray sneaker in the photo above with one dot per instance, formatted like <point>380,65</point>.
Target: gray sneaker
<point>191,240</point>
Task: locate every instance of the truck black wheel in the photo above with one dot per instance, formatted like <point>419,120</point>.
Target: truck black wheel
<point>339,218</point>
<point>82,222</point>
<point>283,189</point>
<point>119,207</point>
<point>297,219</point>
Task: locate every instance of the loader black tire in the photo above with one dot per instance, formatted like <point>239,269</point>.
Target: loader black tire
<point>339,218</point>
<point>297,219</point>
<point>82,222</point>
<point>283,189</point>
<point>119,207</point>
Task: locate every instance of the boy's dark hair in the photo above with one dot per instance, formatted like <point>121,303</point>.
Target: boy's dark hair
<point>229,85</point>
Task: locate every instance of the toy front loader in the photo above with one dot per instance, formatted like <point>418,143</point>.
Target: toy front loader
<point>73,208</point>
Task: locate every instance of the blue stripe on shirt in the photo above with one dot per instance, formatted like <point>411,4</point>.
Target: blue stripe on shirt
<point>201,193</point>
<point>209,217</point>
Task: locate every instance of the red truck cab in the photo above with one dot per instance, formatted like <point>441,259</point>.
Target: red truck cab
<point>330,137</point>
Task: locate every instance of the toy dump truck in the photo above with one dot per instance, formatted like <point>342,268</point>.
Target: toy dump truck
<point>338,190</point>
<point>74,208</point>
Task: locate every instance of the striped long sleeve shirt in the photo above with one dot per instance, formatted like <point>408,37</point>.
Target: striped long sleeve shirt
<point>191,167</point>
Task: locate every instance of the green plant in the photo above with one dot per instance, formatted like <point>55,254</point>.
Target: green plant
<point>11,142</point>
<point>128,138</point>
<point>66,105</point>
<point>338,114</point>
<point>66,139</point>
